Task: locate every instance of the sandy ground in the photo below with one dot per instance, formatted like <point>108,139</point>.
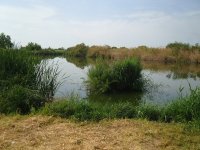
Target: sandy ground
<point>50,133</point>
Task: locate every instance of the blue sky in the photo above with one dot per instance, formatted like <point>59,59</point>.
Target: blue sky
<point>130,23</point>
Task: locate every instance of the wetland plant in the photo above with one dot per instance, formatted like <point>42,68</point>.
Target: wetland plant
<point>122,75</point>
<point>22,83</point>
<point>47,79</point>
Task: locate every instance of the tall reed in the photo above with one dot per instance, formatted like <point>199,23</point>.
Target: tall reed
<point>24,84</point>
<point>123,75</point>
<point>47,79</point>
<point>17,67</point>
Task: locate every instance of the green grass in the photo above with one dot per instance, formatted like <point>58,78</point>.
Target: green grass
<point>185,110</point>
<point>123,75</point>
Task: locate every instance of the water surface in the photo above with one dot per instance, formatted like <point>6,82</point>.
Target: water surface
<point>168,82</point>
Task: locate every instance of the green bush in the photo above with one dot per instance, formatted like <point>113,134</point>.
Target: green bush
<point>20,100</point>
<point>33,46</point>
<point>122,75</point>
<point>79,50</point>
<point>179,46</point>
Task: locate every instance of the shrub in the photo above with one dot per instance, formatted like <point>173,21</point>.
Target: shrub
<point>33,46</point>
<point>120,76</point>
<point>79,50</point>
<point>20,100</point>
<point>178,46</point>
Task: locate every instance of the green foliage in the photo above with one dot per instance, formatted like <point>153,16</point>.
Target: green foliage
<point>20,100</point>
<point>120,76</point>
<point>79,110</point>
<point>178,46</point>
<point>33,46</point>
<point>79,50</point>
<point>17,67</point>
<point>5,41</point>
<point>79,62</point>
<point>184,110</point>
<point>149,112</point>
<point>48,52</point>
<point>46,79</point>
<point>126,75</point>
<point>196,47</point>
<point>21,82</point>
<point>125,110</point>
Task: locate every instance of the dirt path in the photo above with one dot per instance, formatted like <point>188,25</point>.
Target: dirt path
<point>49,133</point>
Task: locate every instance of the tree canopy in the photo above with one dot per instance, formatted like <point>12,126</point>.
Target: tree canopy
<point>5,41</point>
<point>33,46</point>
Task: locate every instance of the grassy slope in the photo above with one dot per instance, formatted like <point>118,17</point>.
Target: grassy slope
<point>40,132</point>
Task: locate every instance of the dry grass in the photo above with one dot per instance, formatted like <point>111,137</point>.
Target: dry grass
<point>165,55</point>
<point>39,132</point>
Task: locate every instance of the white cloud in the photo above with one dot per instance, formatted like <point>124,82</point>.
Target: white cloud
<point>45,26</point>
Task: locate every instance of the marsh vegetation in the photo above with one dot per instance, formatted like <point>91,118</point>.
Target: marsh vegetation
<point>29,83</point>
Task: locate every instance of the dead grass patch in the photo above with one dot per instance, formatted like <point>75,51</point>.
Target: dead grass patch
<point>39,132</point>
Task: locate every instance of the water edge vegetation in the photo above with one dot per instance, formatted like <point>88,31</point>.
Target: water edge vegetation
<point>26,89</point>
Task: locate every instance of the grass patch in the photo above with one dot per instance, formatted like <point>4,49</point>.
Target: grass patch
<point>184,110</point>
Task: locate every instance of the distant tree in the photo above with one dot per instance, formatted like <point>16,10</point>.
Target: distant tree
<point>80,50</point>
<point>33,46</point>
<point>5,41</point>
<point>142,47</point>
<point>178,46</point>
<point>196,47</point>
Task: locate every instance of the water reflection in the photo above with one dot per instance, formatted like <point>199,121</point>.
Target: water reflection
<point>79,62</point>
<point>176,71</point>
<point>134,98</point>
<point>167,80</point>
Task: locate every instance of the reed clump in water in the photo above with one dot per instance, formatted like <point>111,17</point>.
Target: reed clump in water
<point>123,75</point>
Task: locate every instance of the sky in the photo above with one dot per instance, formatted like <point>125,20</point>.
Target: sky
<point>129,23</point>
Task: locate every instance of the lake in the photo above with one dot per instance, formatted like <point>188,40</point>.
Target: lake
<point>168,82</point>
